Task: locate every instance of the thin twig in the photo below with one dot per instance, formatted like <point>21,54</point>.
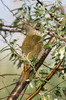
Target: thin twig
<point>5,87</point>
<point>4,25</point>
<point>3,98</point>
<point>8,85</point>
<point>8,8</point>
<point>51,15</point>
<point>3,75</point>
<point>47,79</point>
<point>17,94</point>
<point>54,87</point>
<point>48,67</point>
<point>24,92</point>
<point>16,9</point>
<point>59,69</point>
<point>5,57</point>
<point>52,35</point>
<point>10,30</point>
<point>31,24</point>
<point>11,46</point>
<point>24,76</point>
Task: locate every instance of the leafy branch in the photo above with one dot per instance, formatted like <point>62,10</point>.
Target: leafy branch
<point>53,31</point>
<point>45,81</point>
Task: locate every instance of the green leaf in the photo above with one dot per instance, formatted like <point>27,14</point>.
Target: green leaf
<point>43,37</point>
<point>4,49</point>
<point>64,90</point>
<point>11,57</point>
<point>39,83</point>
<point>33,61</point>
<point>43,72</point>
<point>47,45</point>
<point>32,76</point>
<point>57,93</point>
<point>20,63</point>
<point>13,42</point>
<point>12,49</point>
<point>1,23</point>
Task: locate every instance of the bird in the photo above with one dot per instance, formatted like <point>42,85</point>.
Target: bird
<point>31,47</point>
<point>32,44</point>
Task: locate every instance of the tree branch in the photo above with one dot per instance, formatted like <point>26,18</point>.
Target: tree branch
<point>52,35</point>
<point>9,26</point>
<point>54,87</point>
<point>47,79</point>
<point>3,75</point>
<point>59,69</point>
<point>10,30</point>
<point>22,80</point>
<point>51,15</point>
<point>20,30</point>
<point>8,8</point>
<point>8,86</point>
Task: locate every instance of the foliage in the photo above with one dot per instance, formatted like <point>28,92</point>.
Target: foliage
<point>52,23</point>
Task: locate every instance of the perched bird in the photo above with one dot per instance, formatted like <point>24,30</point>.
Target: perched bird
<point>32,44</point>
<point>31,47</point>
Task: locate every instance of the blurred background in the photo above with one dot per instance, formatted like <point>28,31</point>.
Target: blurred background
<point>6,66</point>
